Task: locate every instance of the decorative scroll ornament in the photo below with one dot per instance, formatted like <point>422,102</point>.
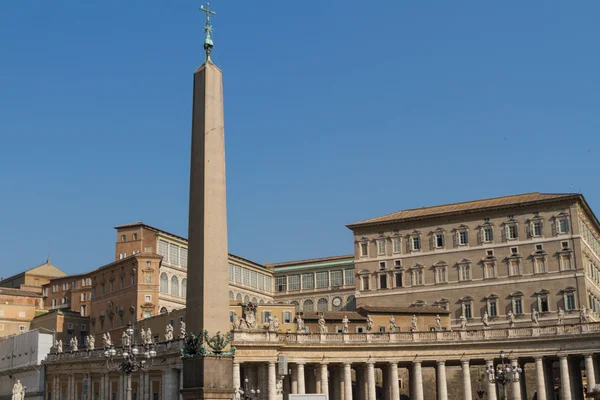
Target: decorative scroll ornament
<point>203,345</point>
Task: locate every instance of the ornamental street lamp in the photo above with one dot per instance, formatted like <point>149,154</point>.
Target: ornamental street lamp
<point>504,374</point>
<point>134,358</point>
<point>247,393</point>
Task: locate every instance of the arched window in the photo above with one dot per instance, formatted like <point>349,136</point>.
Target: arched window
<point>163,310</point>
<point>231,296</point>
<point>238,297</point>
<point>350,303</point>
<point>296,305</point>
<point>308,305</point>
<point>322,305</point>
<point>246,299</point>
<point>174,286</point>
<point>183,288</point>
<point>261,301</point>
<point>164,283</point>
<point>254,300</point>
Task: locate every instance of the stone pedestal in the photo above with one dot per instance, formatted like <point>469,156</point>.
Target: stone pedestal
<point>208,378</point>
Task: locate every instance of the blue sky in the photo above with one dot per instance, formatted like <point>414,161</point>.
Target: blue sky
<point>335,111</point>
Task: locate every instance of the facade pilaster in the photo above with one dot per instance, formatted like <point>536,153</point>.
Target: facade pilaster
<point>324,379</point>
<point>442,385</point>
<point>393,367</point>
<point>371,381</point>
<point>347,381</point>
<point>565,381</point>
<point>272,381</point>
<point>540,379</point>
<point>418,378</point>
<point>301,380</point>
<point>237,384</point>
<point>491,387</point>
<point>516,386</point>
<point>590,372</point>
<point>466,375</point>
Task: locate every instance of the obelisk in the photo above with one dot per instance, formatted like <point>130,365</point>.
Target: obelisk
<point>207,301</point>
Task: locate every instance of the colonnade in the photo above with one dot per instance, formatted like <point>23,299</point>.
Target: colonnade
<point>348,380</point>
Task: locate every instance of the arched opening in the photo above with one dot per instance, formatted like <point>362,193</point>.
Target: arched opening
<point>184,288</point>
<point>231,296</point>
<point>174,286</point>
<point>238,297</point>
<point>246,299</point>
<point>163,310</point>
<point>322,305</point>
<point>164,283</point>
<point>296,305</point>
<point>308,305</point>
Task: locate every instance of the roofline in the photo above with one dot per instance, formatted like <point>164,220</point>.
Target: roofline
<point>149,227</point>
<point>567,196</point>
<point>37,266</point>
<point>310,261</point>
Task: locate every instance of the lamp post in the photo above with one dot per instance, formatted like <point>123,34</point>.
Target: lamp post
<point>503,374</point>
<point>247,393</point>
<point>134,358</point>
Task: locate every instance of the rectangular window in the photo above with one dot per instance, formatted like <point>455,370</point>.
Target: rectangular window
<point>337,278</point>
<point>514,250</point>
<point>570,302</point>
<point>565,245</point>
<point>83,311</point>
<point>518,309</point>
<point>416,243</point>
<point>148,298</point>
<point>322,280</point>
<point>21,314</point>
<point>238,274</point>
<point>173,254</point>
<point>163,249</point>
<point>465,272</point>
<point>123,238</point>
<point>417,276</point>
<point>439,240</point>
<point>381,247</point>
<point>293,282</point>
<point>246,276</point>
<point>382,265</point>
<point>467,310</point>
<point>268,283</point>
<point>515,267</point>
<point>565,262</point>
<point>537,228</point>
<point>539,247</point>
<point>122,255</point>
<point>540,265</point>
<point>490,270</point>
<point>230,271</point>
<point>512,232</point>
<point>543,302</point>
<point>22,328</point>
<point>488,234</point>
<point>287,317</point>
<point>463,238</point>
<point>281,283</point>
<point>134,236</point>
<point>261,282</point>
<point>365,282</point>
<point>147,314</point>
<point>563,226</point>
<point>383,281</point>
<point>254,279</point>
<point>349,276</point>
<point>441,274</point>
<point>364,249</point>
<point>493,308</point>
<point>397,244</point>
<point>308,281</point>
<point>398,276</point>
<point>265,316</point>
<point>382,329</point>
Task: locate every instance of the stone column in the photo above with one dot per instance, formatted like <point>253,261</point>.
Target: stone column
<point>301,384</point>
<point>371,381</point>
<point>516,386</point>
<point>347,381</point>
<point>418,378</point>
<point>590,372</point>
<point>540,379</point>
<point>466,374</point>
<point>565,382</point>
<point>491,387</point>
<point>236,375</point>
<point>317,372</point>
<point>442,385</point>
<point>394,381</point>
<point>272,381</point>
<point>324,379</point>
<point>294,379</point>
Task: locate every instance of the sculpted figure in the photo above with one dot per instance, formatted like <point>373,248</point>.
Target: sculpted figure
<point>125,339</point>
<point>299,324</point>
<point>106,340</point>
<point>369,323</point>
<point>583,315</point>
<point>59,346</point>
<point>561,316</point>
<point>249,317</point>
<point>535,317</point>
<point>392,324</point>
<point>413,324</point>
<point>322,325</point>
<point>345,324</point>
<point>74,344</point>
<point>18,391</point>
<point>463,323</point>
<point>511,319</point>
<point>182,329</point>
<point>90,343</point>
<point>273,324</point>
<point>438,323</point>
<point>169,332</point>
<point>485,320</point>
<point>149,338</point>
<point>236,322</point>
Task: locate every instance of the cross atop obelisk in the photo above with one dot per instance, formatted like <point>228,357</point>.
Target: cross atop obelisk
<point>208,43</point>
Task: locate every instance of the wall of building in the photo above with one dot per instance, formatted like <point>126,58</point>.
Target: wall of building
<point>17,310</point>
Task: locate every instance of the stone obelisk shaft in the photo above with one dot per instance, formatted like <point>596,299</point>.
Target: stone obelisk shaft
<point>207,302</point>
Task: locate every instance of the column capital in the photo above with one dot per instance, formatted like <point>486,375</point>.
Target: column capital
<point>237,362</point>
<point>272,362</point>
<point>299,362</point>
<point>588,355</point>
<point>465,362</point>
<point>324,363</point>
<point>417,363</point>
<point>441,362</point>
<point>540,358</point>
<point>349,363</point>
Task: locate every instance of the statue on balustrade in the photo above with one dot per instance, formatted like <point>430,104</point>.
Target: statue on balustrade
<point>345,324</point>
<point>535,315</point>
<point>125,339</point>
<point>299,324</point>
<point>583,315</point>
<point>59,346</point>
<point>74,344</point>
<point>560,315</point>
<point>463,323</point>
<point>18,392</point>
<point>248,320</point>
<point>369,323</point>
<point>322,324</point>
<point>169,332</point>
<point>106,340</point>
<point>485,320</point>
<point>273,324</point>
<point>90,343</point>
<point>182,329</point>
<point>413,324</point>
<point>392,324</point>
<point>235,321</point>
<point>146,336</point>
<point>511,319</point>
<point>438,323</point>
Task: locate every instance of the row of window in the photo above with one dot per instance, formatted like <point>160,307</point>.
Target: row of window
<point>164,285</point>
<point>22,328</point>
<point>245,299</point>
<point>134,237</point>
<point>464,272</point>
<point>248,277</point>
<point>314,280</point>
<point>22,314</point>
<point>337,304</point>
<point>173,254</point>
<point>148,278</point>
<point>460,236</point>
<point>66,286</point>
<point>594,303</point>
<point>590,239</point>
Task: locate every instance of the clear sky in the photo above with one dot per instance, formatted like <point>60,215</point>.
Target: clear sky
<point>335,111</point>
